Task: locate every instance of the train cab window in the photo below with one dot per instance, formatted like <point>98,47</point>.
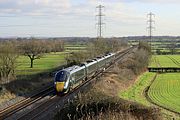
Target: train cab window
<point>61,76</point>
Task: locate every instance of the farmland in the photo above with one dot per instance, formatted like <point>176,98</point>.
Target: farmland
<point>165,91</point>
<point>48,61</point>
<point>165,61</point>
<point>160,45</point>
<point>76,47</point>
<point>135,92</point>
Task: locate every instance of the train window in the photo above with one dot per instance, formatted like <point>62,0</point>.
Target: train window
<point>61,76</point>
<point>92,68</point>
<point>80,74</point>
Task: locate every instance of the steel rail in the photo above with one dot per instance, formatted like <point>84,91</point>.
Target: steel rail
<point>7,112</point>
<point>40,109</point>
<point>24,103</point>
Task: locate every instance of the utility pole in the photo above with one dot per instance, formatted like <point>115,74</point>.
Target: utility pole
<point>150,26</point>
<point>100,23</point>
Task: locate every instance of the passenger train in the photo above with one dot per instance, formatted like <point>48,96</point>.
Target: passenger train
<point>68,78</point>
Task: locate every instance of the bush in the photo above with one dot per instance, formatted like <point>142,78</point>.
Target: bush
<point>8,56</point>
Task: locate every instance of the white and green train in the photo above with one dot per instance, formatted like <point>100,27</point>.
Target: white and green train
<point>68,78</point>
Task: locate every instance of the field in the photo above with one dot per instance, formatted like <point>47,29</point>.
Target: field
<point>74,48</point>
<point>165,61</point>
<point>165,91</point>
<point>161,46</point>
<point>135,92</point>
<point>48,61</point>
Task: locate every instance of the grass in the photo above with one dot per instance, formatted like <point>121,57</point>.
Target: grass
<point>48,61</point>
<point>165,91</point>
<point>75,48</point>
<point>135,92</point>
<point>165,61</point>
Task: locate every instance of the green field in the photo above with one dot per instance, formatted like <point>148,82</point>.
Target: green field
<point>157,45</point>
<point>165,91</point>
<point>135,92</point>
<point>75,48</point>
<point>48,61</point>
<point>165,61</point>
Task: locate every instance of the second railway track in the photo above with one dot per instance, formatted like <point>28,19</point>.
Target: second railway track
<point>48,104</point>
<point>5,113</point>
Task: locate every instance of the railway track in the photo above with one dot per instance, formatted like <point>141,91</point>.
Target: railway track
<point>13,112</point>
<point>5,113</point>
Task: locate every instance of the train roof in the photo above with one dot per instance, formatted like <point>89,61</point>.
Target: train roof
<point>75,68</point>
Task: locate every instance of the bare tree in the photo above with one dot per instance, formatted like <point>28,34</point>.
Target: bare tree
<point>34,49</point>
<point>95,48</point>
<point>8,56</point>
<point>57,45</point>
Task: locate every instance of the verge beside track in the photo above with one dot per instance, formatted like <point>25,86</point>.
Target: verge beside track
<point>17,112</point>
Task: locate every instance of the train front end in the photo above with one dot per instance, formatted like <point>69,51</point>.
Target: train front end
<point>61,82</point>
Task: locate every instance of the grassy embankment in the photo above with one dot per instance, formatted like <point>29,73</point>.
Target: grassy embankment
<point>164,90</point>
<point>102,102</point>
<point>135,92</point>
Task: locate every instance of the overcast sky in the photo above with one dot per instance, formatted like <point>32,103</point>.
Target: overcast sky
<point>67,18</point>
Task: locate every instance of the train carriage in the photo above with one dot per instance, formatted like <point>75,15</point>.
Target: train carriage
<point>92,68</point>
<point>68,78</point>
<point>71,77</point>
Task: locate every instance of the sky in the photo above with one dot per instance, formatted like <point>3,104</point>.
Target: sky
<point>77,18</point>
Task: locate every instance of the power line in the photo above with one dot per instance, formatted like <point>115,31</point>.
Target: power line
<point>150,26</point>
<point>100,23</point>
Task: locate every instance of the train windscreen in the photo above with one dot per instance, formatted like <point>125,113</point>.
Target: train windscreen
<point>61,76</point>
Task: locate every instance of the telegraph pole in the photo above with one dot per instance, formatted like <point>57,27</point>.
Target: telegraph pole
<point>100,23</point>
<point>150,26</point>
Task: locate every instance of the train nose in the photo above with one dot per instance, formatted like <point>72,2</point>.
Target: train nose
<point>59,86</point>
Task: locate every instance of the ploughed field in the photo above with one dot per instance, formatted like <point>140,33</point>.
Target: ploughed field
<point>165,61</point>
<point>165,91</point>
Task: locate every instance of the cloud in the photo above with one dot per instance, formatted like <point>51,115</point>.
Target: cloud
<point>34,6</point>
<point>157,1</point>
<point>140,1</point>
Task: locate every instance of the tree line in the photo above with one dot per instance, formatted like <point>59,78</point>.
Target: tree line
<point>95,47</point>
<point>32,48</point>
